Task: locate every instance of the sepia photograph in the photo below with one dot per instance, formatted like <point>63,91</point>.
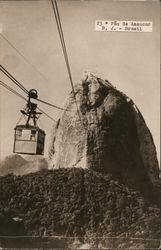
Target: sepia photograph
<point>80,124</point>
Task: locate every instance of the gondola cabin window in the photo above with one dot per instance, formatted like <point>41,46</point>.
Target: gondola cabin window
<point>29,140</point>
<point>33,135</point>
<point>18,133</point>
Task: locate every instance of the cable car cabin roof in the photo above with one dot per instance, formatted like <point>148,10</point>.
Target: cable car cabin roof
<point>23,127</point>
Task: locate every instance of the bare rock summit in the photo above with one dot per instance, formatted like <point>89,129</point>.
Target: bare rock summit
<point>108,135</point>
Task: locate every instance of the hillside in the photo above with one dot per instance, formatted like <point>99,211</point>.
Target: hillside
<point>78,203</point>
<point>17,165</point>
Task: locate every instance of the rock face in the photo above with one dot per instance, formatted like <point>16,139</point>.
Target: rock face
<point>108,135</point>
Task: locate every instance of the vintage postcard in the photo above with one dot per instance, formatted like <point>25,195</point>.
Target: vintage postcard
<point>79,124</point>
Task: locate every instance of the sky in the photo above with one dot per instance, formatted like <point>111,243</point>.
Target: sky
<point>129,60</point>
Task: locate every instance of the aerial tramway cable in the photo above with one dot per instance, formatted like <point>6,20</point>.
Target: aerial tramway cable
<point>22,97</point>
<point>52,105</point>
<point>61,35</point>
<point>12,90</point>
<point>25,90</point>
<point>13,79</point>
<point>25,59</point>
<point>46,114</point>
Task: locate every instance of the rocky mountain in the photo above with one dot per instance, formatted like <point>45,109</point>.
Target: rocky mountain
<point>17,165</point>
<point>108,135</point>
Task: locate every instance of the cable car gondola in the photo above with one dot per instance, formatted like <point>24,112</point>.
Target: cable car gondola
<point>29,139</point>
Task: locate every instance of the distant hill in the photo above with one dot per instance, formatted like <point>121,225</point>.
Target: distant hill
<point>11,164</point>
<point>32,166</point>
<point>17,165</point>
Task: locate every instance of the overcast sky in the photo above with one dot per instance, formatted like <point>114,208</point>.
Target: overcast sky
<point>130,61</point>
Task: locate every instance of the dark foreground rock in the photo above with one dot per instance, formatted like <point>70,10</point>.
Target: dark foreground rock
<point>94,209</point>
<point>109,136</point>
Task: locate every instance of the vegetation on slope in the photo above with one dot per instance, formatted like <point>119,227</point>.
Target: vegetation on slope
<point>75,202</point>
